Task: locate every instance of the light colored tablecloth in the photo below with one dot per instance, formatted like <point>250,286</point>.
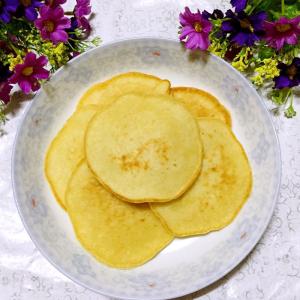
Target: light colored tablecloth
<point>271,271</point>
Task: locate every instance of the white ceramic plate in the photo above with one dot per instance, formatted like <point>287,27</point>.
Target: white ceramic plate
<point>188,264</point>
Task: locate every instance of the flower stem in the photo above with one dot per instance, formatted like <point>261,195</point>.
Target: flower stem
<point>255,6</point>
<point>292,99</point>
<point>16,50</point>
<point>287,96</point>
<point>73,40</point>
<point>71,46</point>
<point>282,7</point>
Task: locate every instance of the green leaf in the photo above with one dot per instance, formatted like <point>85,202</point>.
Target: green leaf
<point>290,112</point>
<point>273,8</point>
<point>280,97</point>
<point>2,113</point>
<point>292,11</point>
<point>96,41</point>
<point>265,52</point>
<point>266,5</point>
<point>275,15</point>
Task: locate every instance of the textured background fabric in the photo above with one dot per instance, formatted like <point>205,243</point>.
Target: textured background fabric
<point>271,271</point>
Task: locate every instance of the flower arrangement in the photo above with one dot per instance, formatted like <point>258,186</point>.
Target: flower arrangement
<point>36,38</point>
<point>260,38</point>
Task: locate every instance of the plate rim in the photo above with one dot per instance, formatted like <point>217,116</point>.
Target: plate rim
<point>194,288</point>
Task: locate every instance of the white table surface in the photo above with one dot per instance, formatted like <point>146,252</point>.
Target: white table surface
<point>271,271</point>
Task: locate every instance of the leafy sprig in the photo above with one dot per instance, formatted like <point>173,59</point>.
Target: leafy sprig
<point>260,38</point>
<point>34,45</point>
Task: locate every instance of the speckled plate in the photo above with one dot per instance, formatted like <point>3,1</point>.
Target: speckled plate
<point>186,265</point>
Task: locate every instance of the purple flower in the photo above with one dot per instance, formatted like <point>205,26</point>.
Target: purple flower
<point>82,8</point>
<point>233,51</point>
<point>195,30</point>
<point>4,72</point>
<point>52,24</point>
<point>243,29</point>
<point>85,25</point>
<point>215,15</point>
<point>239,5</point>
<point>74,54</point>
<point>289,74</point>
<point>5,89</point>
<point>54,3</point>
<point>74,25</point>
<point>6,8</point>
<point>28,73</point>
<point>4,47</point>
<point>28,8</point>
<point>70,31</point>
<point>282,31</point>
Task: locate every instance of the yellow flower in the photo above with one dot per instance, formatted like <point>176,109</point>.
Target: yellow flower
<point>257,80</point>
<point>241,61</point>
<point>58,51</point>
<point>239,65</point>
<point>218,48</point>
<point>268,70</point>
<point>57,54</point>
<point>14,60</point>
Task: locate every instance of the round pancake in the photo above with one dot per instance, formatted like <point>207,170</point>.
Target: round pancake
<point>117,233</point>
<point>66,151</point>
<point>201,104</point>
<point>219,192</point>
<point>144,148</point>
<point>106,92</point>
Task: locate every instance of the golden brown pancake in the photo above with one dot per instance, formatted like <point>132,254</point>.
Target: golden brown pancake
<point>219,192</point>
<point>66,151</point>
<point>144,148</point>
<point>105,93</point>
<point>117,233</point>
<point>201,104</point>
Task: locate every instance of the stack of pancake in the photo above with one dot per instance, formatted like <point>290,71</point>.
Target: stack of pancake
<point>139,163</point>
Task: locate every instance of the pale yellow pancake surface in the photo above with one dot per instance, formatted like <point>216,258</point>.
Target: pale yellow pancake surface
<point>219,192</point>
<point>144,148</point>
<point>105,93</point>
<point>66,151</point>
<point>201,104</point>
<point>117,233</point>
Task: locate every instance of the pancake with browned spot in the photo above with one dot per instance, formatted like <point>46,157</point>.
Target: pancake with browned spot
<point>144,148</point>
<point>219,192</point>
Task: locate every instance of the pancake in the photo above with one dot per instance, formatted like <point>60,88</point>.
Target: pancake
<point>117,233</point>
<point>201,104</point>
<point>66,151</point>
<point>144,148</point>
<point>104,93</point>
<point>219,192</point>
